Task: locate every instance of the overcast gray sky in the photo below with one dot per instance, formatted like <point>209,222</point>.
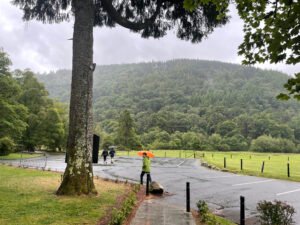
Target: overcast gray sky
<point>44,47</point>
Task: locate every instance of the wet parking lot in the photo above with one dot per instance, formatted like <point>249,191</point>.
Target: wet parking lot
<point>220,189</point>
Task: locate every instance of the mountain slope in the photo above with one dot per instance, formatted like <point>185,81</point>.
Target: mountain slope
<point>188,96</point>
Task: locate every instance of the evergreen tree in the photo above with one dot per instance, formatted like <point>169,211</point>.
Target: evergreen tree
<point>126,135</point>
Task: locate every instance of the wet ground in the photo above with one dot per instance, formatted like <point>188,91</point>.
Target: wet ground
<point>220,189</point>
<point>156,212</point>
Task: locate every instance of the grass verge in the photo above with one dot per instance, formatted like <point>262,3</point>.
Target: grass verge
<point>28,197</point>
<point>12,156</point>
<point>212,220</point>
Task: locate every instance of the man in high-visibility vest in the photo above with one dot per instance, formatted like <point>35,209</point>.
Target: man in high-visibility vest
<point>146,167</point>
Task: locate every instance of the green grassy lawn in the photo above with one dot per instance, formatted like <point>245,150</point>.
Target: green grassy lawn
<point>28,197</point>
<point>19,155</point>
<point>275,164</point>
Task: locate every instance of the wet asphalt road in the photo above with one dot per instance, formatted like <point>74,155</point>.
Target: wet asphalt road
<point>220,189</point>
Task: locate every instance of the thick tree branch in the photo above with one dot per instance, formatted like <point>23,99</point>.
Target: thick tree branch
<point>110,9</point>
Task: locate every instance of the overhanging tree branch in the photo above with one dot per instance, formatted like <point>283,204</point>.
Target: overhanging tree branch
<point>113,13</point>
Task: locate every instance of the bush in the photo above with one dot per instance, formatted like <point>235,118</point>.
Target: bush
<point>119,216</point>
<point>298,148</point>
<point>6,145</point>
<point>203,210</point>
<point>266,143</point>
<point>275,213</point>
<point>236,143</point>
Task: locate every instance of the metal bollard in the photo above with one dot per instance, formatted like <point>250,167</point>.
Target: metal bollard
<point>224,162</point>
<point>262,166</point>
<point>147,184</point>
<point>288,170</point>
<point>188,203</point>
<point>242,211</point>
<point>241,164</point>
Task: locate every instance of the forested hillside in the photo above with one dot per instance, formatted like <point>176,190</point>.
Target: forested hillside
<point>192,104</point>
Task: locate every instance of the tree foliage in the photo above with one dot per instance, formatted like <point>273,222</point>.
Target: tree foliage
<point>6,145</point>
<point>5,62</point>
<point>269,144</point>
<point>181,104</point>
<point>271,33</point>
<point>27,114</point>
<point>149,18</point>
<point>126,135</point>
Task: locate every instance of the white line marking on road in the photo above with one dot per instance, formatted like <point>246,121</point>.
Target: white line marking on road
<point>287,192</point>
<point>222,176</point>
<point>180,163</point>
<point>255,182</point>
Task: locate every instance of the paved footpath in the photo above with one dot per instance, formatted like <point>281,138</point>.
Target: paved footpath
<point>156,212</point>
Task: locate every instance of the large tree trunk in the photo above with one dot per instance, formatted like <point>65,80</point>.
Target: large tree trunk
<point>78,176</point>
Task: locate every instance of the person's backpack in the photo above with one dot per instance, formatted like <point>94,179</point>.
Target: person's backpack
<point>112,153</point>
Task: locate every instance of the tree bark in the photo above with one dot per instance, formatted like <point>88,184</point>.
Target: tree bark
<point>78,176</point>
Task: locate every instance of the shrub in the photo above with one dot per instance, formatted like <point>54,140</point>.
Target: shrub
<point>6,145</point>
<point>275,213</point>
<point>119,216</point>
<point>266,143</point>
<point>236,143</point>
<point>203,210</point>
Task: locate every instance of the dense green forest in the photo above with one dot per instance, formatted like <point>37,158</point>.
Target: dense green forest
<point>189,104</point>
<point>29,119</point>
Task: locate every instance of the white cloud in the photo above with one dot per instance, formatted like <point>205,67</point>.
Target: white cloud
<point>44,47</point>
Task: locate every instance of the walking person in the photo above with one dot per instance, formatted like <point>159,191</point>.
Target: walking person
<point>104,154</point>
<point>146,167</point>
<point>112,153</point>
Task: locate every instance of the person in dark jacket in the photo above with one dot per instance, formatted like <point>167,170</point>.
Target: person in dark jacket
<point>146,167</point>
<point>104,154</point>
<point>112,153</point>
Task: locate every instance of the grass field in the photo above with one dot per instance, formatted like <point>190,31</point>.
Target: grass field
<point>19,155</point>
<point>275,165</point>
<point>27,197</point>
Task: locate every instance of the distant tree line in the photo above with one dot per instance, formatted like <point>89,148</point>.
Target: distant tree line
<point>190,104</point>
<point>29,119</point>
